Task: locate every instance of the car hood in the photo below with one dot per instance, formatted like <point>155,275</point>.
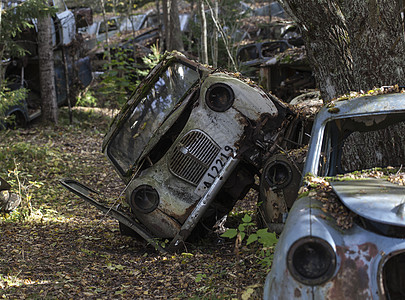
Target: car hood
<point>375,199</point>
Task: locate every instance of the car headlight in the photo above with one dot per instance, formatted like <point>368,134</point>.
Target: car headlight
<point>278,174</point>
<point>311,260</point>
<point>219,97</point>
<point>144,199</point>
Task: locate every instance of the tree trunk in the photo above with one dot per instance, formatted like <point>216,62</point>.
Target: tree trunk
<point>166,23</point>
<point>46,71</point>
<point>204,46</point>
<point>107,42</point>
<point>215,37</point>
<point>352,44</point>
<point>176,42</point>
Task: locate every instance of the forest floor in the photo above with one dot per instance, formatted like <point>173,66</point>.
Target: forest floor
<point>57,246</point>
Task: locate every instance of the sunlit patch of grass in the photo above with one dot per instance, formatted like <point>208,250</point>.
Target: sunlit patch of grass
<point>16,281</point>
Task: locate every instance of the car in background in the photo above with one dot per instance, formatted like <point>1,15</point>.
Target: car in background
<point>72,70</point>
<point>344,235</point>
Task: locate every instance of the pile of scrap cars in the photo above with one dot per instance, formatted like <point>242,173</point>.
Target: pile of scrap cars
<point>190,141</point>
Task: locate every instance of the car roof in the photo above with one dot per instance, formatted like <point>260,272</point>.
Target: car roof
<point>361,106</point>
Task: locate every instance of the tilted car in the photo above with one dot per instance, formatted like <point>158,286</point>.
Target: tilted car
<point>188,145</point>
<point>344,236</point>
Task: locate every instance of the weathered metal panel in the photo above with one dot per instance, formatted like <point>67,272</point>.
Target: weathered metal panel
<point>375,199</point>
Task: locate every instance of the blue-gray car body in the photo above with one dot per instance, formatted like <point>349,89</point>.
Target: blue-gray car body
<point>316,258</point>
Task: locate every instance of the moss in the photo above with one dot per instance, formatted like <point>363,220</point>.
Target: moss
<point>333,110</point>
<point>314,206</point>
<point>302,195</point>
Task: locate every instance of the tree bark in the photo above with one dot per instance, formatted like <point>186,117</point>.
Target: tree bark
<point>49,105</point>
<point>176,42</point>
<point>215,37</point>
<point>166,23</point>
<point>352,44</point>
<point>204,46</point>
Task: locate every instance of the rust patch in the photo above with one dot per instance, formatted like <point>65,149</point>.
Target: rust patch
<point>352,279</point>
<point>370,248</point>
<point>297,293</point>
<point>241,119</point>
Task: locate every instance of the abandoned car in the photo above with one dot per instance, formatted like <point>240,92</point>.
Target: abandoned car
<point>344,236</point>
<point>188,144</point>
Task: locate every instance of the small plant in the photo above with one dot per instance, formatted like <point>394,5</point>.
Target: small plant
<point>118,80</point>
<point>266,239</point>
<point>200,277</point>
<point>123,75</point>
<point>243,228</point>
<point>87,100</point>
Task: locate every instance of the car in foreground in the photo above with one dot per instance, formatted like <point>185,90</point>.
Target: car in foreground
<point>344,235</point>
<point>188,144</point>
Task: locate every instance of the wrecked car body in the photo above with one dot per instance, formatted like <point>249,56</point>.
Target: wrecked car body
<point>344,236</point>
<point>188,145</point>
<point>287,74</point>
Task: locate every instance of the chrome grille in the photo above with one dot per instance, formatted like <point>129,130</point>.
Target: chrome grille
<point>192,156</point>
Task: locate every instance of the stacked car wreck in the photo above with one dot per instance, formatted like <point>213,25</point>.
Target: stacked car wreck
<point>188,145</point>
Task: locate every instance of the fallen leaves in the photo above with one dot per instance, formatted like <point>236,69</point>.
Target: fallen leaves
<point>321,190</point>
<point>69,250</point>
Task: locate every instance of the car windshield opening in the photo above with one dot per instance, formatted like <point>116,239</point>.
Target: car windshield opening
<point>362,143</point>
<point>148,115</point>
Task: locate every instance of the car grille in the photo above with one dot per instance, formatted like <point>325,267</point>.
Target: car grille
<point>192,156</point>
<point>394,277</point>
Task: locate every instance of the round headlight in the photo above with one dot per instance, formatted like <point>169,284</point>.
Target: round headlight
<point>311,260</point>
<point>144,199</point>
<point>278,174</point>
<point>219,97</point>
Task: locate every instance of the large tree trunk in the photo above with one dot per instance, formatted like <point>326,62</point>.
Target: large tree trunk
<point>46,69</point>
<point>352,44</point>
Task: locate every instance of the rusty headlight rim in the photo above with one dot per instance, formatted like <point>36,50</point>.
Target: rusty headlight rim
<point>282,168</point>
<point>144,198</point>
<point>306,253</point>
<point>219,97</point>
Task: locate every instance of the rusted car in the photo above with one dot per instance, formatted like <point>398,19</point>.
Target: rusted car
<point>188,144</point>
<point>344,236</point>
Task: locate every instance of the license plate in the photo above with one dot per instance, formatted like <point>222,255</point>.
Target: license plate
<point>214,170</point>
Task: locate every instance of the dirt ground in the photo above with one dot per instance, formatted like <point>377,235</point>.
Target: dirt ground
<point>55,246</point>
